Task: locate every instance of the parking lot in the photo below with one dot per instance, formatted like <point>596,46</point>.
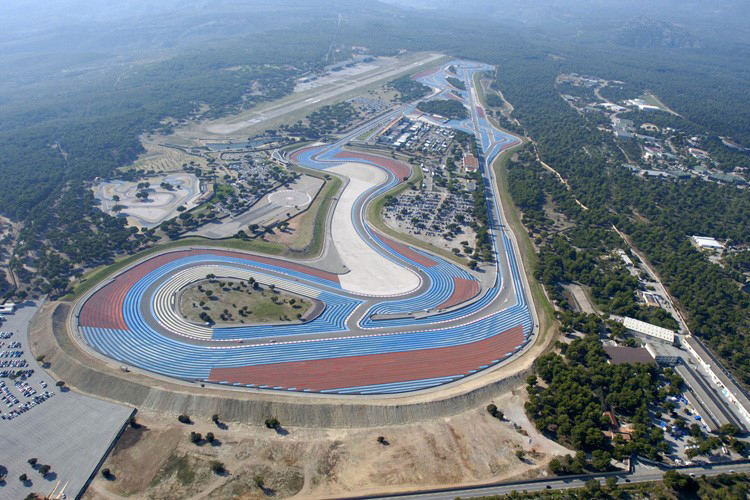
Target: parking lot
<point>59,427</point>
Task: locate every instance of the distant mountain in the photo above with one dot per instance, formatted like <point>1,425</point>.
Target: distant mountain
<point>646,33</point>
<point>715,21</point>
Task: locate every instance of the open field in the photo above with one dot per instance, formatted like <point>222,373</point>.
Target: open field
<point>158,159</point>
<point>161,203</point>
<point>244,303</point>
<point>158,459</point>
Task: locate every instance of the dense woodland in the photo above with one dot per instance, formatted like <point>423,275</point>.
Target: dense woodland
<point>326,120</point>
<point>570,394</point>
<point>658,215</point>
<point>451,109</point>
<point>409,89</point>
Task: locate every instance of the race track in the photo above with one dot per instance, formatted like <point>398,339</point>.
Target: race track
<point>400,320</point>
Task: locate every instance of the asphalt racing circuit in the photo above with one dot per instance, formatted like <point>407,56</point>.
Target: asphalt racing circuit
<point>400,320</point>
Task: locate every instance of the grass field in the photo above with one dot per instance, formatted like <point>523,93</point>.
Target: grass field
<point>238,302</point>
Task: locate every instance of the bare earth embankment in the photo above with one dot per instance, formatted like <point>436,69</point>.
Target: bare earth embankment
<point>159,461</point>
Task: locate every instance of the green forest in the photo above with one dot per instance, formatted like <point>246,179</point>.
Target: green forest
<point>409,89</point>
<point>450,109</point>
<point>659,216</point>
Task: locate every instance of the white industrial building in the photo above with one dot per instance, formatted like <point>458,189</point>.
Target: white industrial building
<point>644,328</point>
<point>706,242</point>
<point>664,355</point>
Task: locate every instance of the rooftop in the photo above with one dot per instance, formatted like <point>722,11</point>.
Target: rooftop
<point>619,355</point>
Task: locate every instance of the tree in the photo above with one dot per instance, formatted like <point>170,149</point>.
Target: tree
<point>259,481</point>
<point>521,455</point>
<point>495,412</point>
<point>195,437</point>
<point>217,467</point>
<point>23,478</point>
<point>32,461</point>
<point>215,418</point>
<point>729,430</point>
<point>184,419</point>
<point>611,483</point>
<point>593,487</point>
<point>273,423</point>
<point>210,437</point>
<point>695,430</point>
<point>60,383</point>
<point>44,469</point>
<point>106,473</point>
<point>382,440</point>
<point>677,482</point>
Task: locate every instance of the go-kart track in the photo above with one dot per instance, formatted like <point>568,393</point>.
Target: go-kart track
<point>400,320</point>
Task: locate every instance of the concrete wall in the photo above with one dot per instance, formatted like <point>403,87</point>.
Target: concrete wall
<point>49,337</point>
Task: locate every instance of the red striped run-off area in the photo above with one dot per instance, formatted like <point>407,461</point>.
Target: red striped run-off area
<point>399,169</point>
<point>463,290</point>
<point>407,252</point>
<point>374,369</point>
<point>104,309</point>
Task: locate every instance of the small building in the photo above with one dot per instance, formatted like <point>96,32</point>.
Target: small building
<point>678,174</point>
<point>726,178</point>
<point>698,153</point>
<point>651,299</point>
<point>648,329</point>
<point>664,355</point>
<point>627,260</point>
<point>621,134</point>
<point>707,242</point>
<point>619,355</point>
<point>470,163</point>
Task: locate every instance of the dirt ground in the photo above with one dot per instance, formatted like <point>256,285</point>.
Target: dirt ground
<point>162,159</point>
<point>159,461</point>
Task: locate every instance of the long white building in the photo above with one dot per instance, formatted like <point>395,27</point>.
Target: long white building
<point>648,329</point>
